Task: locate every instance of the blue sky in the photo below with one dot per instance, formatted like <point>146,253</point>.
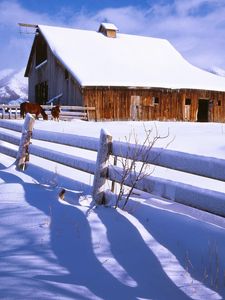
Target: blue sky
<point>195,27</point>
<point>52,6</point>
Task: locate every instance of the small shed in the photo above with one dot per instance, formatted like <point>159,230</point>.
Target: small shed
<point>126,77</point>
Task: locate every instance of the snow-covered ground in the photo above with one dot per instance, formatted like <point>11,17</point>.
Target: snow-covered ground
<point>64,249</point>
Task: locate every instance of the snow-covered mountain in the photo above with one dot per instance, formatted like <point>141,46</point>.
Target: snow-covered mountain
<point>13,85</point>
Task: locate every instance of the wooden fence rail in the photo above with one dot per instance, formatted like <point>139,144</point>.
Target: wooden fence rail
<point>9,111</point>
<point>67,112</point>
<point>185,162</point>
<point>206,199</point>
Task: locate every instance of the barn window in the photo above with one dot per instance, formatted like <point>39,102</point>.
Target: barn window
<point>41,50</point>
<point>41,92</point>
<point>219,102</point>
<point>187,101</point>
<point>155,100</point>
<point>66,74</point>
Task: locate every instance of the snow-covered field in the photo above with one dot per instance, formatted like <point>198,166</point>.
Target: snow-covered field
<point>155,249</point>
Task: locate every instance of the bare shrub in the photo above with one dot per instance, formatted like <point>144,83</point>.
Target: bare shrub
<point>138,167</point>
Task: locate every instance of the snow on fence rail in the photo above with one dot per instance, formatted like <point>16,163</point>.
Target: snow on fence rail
<point>209,200</point>
<point>67,112</point>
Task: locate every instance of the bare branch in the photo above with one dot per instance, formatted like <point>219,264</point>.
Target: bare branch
<point>138,166</point>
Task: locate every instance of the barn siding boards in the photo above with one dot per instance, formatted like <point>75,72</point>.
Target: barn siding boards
<point>137,104</point>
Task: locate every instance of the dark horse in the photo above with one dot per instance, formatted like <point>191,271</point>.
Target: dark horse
<point>33,108</point>
<point>55,111</point>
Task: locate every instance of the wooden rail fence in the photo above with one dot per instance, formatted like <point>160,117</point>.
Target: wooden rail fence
<point>67,112</point>
<point>205,199</point>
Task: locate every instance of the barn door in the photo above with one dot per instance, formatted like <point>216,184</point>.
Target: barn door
<point>135,108</point>
<point>187,109</point>
<point>41,92</point>
<point>203,110</point>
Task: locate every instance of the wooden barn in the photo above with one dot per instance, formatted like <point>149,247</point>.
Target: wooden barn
<point>126,77</point>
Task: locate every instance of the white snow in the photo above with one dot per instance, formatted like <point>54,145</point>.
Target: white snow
<point>19,83</point>
<point>66,249</point>
<point>16,102</point>
<point>218,71</point>
<point>109,26</point>
<point>13,84</point>
<point>127,60</point>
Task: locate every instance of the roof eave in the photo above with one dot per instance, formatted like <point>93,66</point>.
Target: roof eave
<point>150,88</point>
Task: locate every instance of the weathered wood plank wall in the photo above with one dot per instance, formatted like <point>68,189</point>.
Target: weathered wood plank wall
<point>58,79</point>
<point>181,105</point>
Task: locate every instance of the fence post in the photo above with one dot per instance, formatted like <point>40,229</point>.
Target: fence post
<point>23,154</point>
<point>3,112</point>
<point>113,182</point>
<point>10,112</point>
<point>87,113</point>
<point>16,110</point>
<point>96,115</point>
<point>105,144</point>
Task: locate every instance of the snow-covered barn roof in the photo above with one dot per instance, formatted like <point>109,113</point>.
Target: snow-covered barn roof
<point>125,61</point>
<point>109,26</point>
